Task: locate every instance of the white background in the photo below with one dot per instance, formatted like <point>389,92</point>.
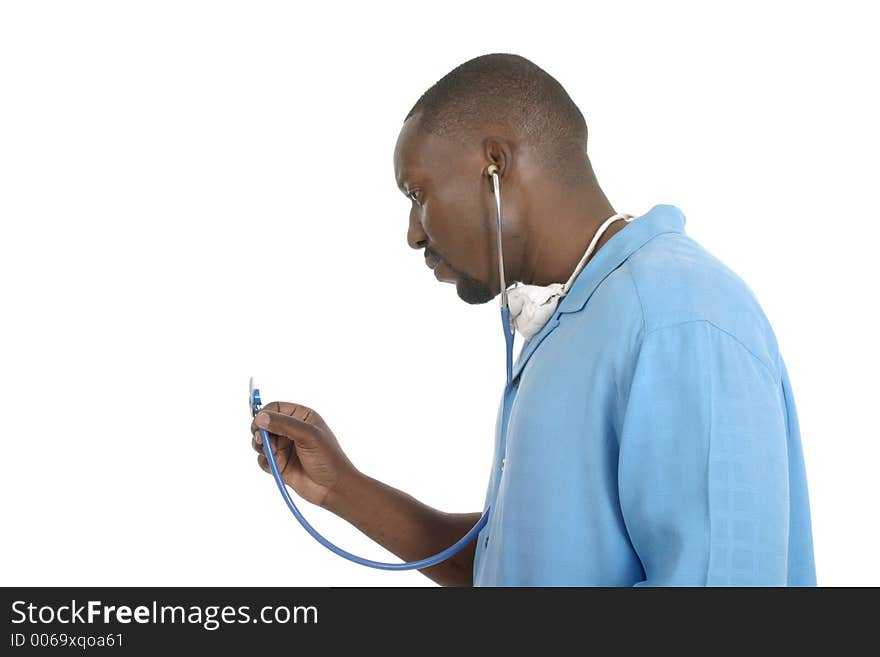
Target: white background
<point>194,192</point>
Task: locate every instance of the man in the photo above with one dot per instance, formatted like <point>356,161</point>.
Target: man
<point>648,436</point>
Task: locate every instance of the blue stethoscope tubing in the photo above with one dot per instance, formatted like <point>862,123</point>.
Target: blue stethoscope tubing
<point>256,405</point>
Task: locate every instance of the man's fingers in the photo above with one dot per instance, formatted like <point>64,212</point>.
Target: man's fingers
<point>257,439</point>
<point>298,411</point>
<point>274,407</point>
<point>284,459</point>
<point>301,433</point>
<point>257,443</point>
<point>257,435</point>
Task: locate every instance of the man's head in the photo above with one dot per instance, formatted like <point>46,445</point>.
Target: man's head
<point>495,109</point>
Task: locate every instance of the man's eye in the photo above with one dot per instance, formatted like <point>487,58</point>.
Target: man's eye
<point>414,196</point>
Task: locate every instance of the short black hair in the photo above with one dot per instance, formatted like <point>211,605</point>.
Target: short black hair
<point>510,90</point>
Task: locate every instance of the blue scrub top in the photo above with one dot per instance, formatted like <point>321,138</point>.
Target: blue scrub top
<point>650,435</point>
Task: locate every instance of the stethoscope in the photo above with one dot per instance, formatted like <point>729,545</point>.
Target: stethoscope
<point>256,405</point>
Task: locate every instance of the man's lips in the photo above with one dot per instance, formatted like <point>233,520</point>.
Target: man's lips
<point>438,266</point>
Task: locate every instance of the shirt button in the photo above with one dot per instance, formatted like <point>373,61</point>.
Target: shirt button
<point>502,463</point>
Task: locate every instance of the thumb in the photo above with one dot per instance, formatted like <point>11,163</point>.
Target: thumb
<point>303,434</point>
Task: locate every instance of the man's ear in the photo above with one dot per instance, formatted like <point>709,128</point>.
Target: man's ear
<point>497,151</point>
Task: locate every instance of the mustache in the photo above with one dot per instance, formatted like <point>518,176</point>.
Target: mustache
<point>433,256</point>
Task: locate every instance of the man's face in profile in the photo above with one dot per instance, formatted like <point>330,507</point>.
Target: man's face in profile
<point>450,210</point>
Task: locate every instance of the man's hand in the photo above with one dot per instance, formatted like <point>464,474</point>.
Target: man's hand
<point>309,457</point>
<point>312,463</point>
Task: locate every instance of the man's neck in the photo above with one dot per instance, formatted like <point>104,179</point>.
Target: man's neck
<point>556,247</point>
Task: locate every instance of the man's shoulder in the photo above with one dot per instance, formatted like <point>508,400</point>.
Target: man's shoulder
<point>677,281</point>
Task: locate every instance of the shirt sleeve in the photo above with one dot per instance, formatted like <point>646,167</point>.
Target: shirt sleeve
<point>703,466</point>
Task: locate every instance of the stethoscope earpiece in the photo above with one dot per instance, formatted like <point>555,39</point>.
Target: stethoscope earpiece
<point>491,169</point>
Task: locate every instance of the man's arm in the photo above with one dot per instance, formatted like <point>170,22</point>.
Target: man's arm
<point>406,527</point>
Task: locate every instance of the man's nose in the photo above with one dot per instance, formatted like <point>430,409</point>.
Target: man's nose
<point>415,234</point>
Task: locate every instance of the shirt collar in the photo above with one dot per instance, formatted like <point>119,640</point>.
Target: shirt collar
<point>620,246</point>
<point>660,219</point>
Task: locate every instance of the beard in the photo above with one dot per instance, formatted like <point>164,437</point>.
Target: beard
<point>472,290</point>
